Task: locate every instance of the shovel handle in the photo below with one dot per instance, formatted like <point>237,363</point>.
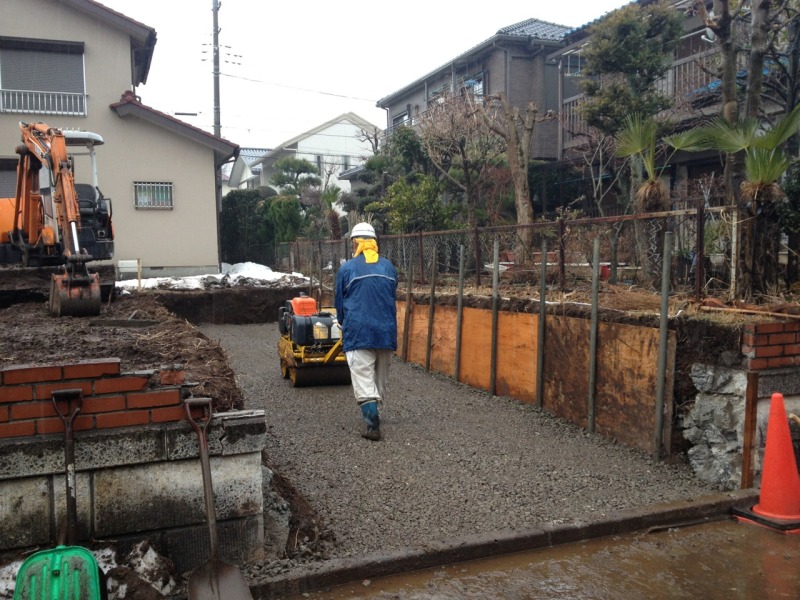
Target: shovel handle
<point>68,416</point>
<point>71,411</point>
<point>199,424</point>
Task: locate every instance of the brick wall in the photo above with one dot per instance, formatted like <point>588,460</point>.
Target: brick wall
<point>110,398</point>
<point>771,345</point>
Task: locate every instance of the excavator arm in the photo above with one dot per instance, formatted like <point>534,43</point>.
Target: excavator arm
<point>74,291</point>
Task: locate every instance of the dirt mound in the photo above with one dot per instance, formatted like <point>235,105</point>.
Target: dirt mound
<point>136,328</point>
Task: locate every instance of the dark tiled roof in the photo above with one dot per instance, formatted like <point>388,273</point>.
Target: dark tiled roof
<point>541,30</point>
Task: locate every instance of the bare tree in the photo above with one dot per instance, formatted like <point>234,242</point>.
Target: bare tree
<point>460,146</point>
<point>516,129</point>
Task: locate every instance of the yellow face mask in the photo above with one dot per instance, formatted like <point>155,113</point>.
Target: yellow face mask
<point>369,247</point>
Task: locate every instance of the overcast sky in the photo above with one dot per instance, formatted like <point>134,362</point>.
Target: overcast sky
<point>287,67</point>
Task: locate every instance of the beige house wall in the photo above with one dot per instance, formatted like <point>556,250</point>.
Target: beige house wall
<point>182,241</point>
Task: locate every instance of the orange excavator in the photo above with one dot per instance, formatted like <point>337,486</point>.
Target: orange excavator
<point>52,221</point>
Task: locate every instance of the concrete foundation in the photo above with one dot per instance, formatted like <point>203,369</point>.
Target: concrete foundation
<point>139,482</point>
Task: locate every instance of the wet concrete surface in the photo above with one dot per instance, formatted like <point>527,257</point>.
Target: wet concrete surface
<point>722,559</point>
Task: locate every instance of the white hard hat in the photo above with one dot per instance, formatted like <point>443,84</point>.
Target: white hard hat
<point>363,230</point>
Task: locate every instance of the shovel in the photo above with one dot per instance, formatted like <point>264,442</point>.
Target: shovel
<point>215,579</point>
<point>66,572</point>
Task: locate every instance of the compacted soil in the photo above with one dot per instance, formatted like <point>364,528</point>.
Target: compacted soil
<point>454,461</point>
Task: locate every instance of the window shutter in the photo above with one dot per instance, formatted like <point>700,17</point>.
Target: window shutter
<point>37,70</point>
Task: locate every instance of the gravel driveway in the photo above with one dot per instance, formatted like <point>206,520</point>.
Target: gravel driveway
<point>454,461</point>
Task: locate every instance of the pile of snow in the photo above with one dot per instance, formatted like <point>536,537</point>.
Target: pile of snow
<point>246,273</point>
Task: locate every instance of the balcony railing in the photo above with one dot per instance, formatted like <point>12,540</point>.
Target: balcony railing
<point>43,103</point>
<point>690,82</point>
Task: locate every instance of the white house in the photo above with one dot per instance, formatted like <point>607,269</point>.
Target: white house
<point>334,147</point>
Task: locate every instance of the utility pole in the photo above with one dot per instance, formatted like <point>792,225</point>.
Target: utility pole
<point>217,125</point>
<point>215,42</point>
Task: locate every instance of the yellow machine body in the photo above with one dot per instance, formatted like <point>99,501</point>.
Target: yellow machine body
<point>310,348</point>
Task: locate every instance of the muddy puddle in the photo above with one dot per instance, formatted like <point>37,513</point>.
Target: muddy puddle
<point>720,560</point>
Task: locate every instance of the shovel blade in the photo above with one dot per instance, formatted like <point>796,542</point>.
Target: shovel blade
<point>217,580</point>
<point>63,573</point>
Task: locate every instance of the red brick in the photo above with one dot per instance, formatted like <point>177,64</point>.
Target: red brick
<point>32,410</point>
<point>153,399</point>
<point>755,340</point>
<point>92,369</point>
<point>172,376</point>
<point>757,364</point>
<point>748,351</point>
<point>791,349</point>
<point>17,393</point>
<point>762,328</point>
<point>20,429</point>
<point>170,413</point>
<point>792,326</point>
<point>125,383</point>
<point>3,414</point>
<point>781,338</point>
<point>45,391</point>
<point>749,328</point>
<point>768,351</point>
<point>30,374</point>
<point>780,361</point>
<point>81,423</point>
<point>97,404</point>
<point>122,419</point>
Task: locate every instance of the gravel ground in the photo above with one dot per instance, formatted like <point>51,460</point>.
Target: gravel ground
<point>454,461</point>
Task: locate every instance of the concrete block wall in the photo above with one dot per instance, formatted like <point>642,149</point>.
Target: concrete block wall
<point>137,464</point>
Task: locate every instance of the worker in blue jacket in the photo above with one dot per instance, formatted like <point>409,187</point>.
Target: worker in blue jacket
<point>366,287</point>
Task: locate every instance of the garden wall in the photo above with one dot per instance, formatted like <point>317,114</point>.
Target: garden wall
<point>137,463</point>
<point>720,424</point>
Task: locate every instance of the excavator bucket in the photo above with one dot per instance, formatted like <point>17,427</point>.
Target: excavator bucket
<point>73,295</point>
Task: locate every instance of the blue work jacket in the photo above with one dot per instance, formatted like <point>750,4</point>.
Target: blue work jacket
<point>365,304</point>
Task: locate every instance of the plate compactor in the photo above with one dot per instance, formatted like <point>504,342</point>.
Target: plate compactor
<point>310,347</point>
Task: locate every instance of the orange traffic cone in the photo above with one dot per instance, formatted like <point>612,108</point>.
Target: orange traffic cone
<point>779,501</point>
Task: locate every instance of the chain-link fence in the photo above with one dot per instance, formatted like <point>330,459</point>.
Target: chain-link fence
<point>631,250</point>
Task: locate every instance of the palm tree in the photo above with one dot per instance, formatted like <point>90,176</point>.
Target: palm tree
<point>638,141</point>
<point>765,162</point>
<point>330,196</point>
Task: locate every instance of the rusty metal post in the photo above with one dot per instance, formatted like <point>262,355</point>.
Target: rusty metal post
<point>593,335</point>
<point>409,307</point>
<point>750,423</point>
<point>495,310</point>
<point>421,259</point>
<point>661,368</point>
<point>431,310</point>
<point>562,267</point>
<point>459,312</point>
<point>542,315</point>
<point>477,258</point>
<point>699,251</point>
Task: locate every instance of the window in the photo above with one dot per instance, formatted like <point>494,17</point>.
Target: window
<point>345,162</point>
<point>472,86</point>
<point>148,194</point>
<point>401,119</point>
<point>8,177</point>
<point>42,77</point>
<point>319,163</point>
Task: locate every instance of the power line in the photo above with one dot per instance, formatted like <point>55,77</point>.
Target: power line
<point>322,93</point>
